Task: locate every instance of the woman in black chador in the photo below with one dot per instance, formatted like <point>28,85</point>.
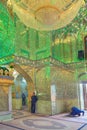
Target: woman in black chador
<point>33,102</point>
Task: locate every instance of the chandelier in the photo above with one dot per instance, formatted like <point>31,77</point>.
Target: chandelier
<point>46,14</point>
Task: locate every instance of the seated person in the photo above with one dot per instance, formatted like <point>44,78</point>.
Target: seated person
<point>75,111</point>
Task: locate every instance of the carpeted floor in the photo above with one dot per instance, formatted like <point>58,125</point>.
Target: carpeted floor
<point>20,113</point>
<point>67,117</point>
<point>23,120</point>
<point>84,127</point>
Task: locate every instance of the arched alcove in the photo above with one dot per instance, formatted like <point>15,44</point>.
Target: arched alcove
<point>20,87</point>
<point>23,83</point>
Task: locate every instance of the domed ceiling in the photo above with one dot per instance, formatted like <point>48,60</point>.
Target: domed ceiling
<point>35,44</point>
<point>46,14</point>
<point>62,44</point>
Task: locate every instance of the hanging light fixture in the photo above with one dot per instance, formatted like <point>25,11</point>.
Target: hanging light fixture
<point>46,14</point>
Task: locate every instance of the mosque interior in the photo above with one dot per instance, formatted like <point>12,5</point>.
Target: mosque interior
<point>43,48</point>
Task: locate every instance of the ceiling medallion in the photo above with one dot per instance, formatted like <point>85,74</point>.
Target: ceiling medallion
<point>46,14</point>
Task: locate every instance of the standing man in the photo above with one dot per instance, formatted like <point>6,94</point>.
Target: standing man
<point>33,102</point>
<point>23,99</point>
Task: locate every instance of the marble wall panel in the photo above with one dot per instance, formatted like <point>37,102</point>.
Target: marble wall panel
<point>3,100</point>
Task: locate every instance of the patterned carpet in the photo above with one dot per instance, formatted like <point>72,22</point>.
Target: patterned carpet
<point>84,127</point>
<point>67,117</point>
<point>34,122</point>
<point>23,120</point>
<point>41,123</point>
<point>20,113</point>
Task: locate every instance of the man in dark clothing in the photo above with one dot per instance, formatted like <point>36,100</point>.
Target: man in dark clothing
<point>75,111</point>
<point>23,99</point>
<point>33,102</point>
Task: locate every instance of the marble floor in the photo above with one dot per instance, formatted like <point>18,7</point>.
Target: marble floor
<point>23,120</point>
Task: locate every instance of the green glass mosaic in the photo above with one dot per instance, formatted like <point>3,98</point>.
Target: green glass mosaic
<point>6,36</point>
<point>62,44</point>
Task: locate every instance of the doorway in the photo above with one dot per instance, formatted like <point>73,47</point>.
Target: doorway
<point>19,93</point>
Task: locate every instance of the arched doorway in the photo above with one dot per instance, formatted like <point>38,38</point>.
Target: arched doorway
<point>24,84</point>
<point>19,89</point>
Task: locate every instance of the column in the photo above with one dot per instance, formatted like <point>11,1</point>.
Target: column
<point>10,98</point>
